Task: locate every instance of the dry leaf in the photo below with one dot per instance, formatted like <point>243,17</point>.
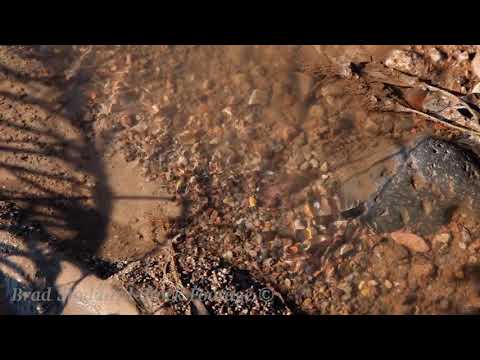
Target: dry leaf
<point>411,241</point>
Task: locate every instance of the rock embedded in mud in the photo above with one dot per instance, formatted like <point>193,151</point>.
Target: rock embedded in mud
<point>451,175</point>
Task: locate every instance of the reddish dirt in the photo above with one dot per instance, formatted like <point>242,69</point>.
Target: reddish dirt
<point>178,168</point>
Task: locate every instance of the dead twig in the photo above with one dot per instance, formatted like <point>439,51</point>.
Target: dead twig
<point>404,108</point>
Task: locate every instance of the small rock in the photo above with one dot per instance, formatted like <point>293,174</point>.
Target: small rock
<point>466,236</point>
<point>435,55</point>
<point>309,210</point>
<point>372,283</point>
<point>324,167</point>
<point>371,127</point>
<point>443,238</point>
<point>207,85</point>
<point>227,255</point>
<point>229,201</point>
<point>361,285</point>
<point>288,283</point>
<point>347,289</point>
<point>325,207</point>
<point>307,303</point>
<point>405,216</point>
<point>253,253</point>
<point>459,274</point>
<point>304,166</point>
<point>304,84</point>
<point>475,246</point>
<point>317,113</point>
<point>476,64</point>
<point>462,245</point>
<point>388,284</point>
<point>427,207</point>
<point>345,70</point>
<point>444,304</point>
<point>406,61</point>
<point>227,111</point>
<point>345,249</point>
<point>476,89</point>
<point>258,97</point>
<point>182,161</point>
<point>333,89</point>
<point>299,225</point>
<point>410,241</point>
<point>463,56</point>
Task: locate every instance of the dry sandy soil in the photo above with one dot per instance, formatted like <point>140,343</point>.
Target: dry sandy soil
<point>228,179</point>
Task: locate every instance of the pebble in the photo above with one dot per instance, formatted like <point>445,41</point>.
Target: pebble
<point>207,84</point>
<point>307,303</point>
<point>304,85</point>
<point>314,163</point>
<point>229,201</point>
<point>325,208</point>
<point>443,238</point>
<point>182,161</point>
<point>466,237</point>
<point>309,210</point>
<point>463,56</point>
<point>317,112</point>
<point>324,167</point>
<point>476,64</point>
<point>361,285</point>
<point>476,89</point>
<point>427,207</point>
<point>333,89</point>
<point>304,166</point>
<point>345,249</point>
<point>227,255</point>
<point>227,111</point>
<point>406,61</point>
<point>410,241</point>
<point>299,225</point>
<point>435,55</point>
<point>462,245</point>
<point>347,289</point>
<point>388,284</point>
<point>371,127</point>
<point>258,97</point>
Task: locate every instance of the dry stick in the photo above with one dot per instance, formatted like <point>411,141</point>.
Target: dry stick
<point>411,81</point>
<point>432,118</point>
<point>453,96</point>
